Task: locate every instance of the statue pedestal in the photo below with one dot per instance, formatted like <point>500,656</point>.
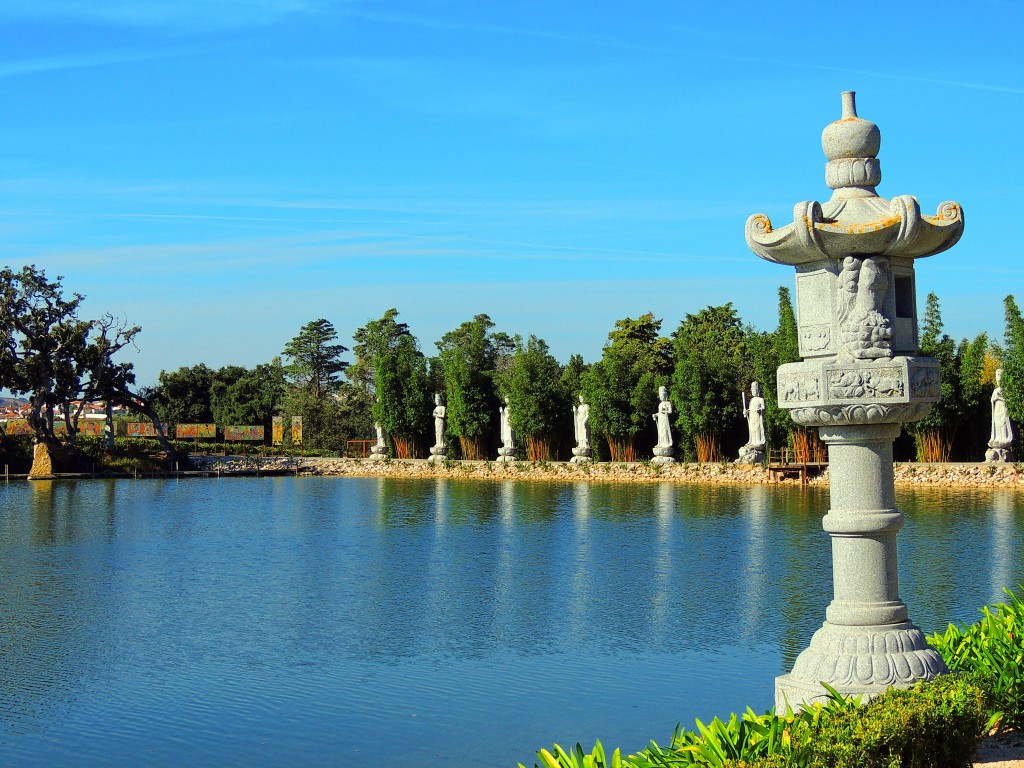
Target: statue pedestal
<point>663,456</point>
<point>437,453</point>
<point>998,455</point>
<point>377,453</point>
<point>867,643</point>
<point>580,455</point>
<point>751,454</point>
<point>506,455</point>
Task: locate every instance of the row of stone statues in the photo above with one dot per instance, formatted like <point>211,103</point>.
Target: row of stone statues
<point>753,452</point>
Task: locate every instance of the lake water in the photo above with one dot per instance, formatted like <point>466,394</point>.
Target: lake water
<point>348,621</point>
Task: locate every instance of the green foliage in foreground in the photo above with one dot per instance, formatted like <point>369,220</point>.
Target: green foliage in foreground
<point>993,649</point>
<point>930,725</point>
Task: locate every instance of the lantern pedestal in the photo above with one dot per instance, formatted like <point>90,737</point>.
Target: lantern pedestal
<point>867,643</point>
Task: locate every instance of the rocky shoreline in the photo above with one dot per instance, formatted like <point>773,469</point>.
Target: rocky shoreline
<point>906,474</point>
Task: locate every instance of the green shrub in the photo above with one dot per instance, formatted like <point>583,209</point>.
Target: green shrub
<point>993,649</point>
<point>930,725</point>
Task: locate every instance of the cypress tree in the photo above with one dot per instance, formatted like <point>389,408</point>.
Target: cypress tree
<point>1013,362</point>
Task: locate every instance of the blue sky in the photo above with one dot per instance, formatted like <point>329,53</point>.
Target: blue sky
<point>222,172</point>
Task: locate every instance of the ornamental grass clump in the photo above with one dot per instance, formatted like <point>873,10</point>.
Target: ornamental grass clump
<point>992,649</point>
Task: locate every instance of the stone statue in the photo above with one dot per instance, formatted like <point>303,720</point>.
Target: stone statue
<point>379,450</point>
<point>1001,438</point>
<point>581,427</point>
<point>663,450</point>
<point>439,449</point>
<point>753,451</point>
<point>507,450</point>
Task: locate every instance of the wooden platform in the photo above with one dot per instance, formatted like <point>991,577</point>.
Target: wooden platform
<point>782,464</point>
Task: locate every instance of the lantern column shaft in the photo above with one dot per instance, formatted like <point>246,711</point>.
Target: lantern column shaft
<point>863,523</point>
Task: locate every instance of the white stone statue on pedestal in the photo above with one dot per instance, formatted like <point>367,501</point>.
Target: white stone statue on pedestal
<point>1001,437</point>
<point>507,450</point>
<point>664,449</point>
<point>439,449</point>
<point>379,449</point>
<point>753,412</point>
<point>581,427</point>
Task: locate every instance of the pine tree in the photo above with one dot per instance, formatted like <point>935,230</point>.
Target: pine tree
<point>314,362</point>
<point>779,427</point>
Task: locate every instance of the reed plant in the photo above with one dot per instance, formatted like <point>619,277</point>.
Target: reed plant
<point>405,447</point>
<point>807,446</point>
<point>707,447</point>
<point>933,446</point>
<point>621,450</point>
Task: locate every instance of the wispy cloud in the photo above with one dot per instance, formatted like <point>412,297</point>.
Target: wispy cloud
<point>719,53</point>
<point>333,247</point>
<point>162,13</point>
<point>910,78</point>
<point>79,61</point>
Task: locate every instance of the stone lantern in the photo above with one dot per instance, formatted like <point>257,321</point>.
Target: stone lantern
<point>858,380</point>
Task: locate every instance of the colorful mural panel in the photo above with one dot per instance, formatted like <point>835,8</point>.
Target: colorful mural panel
<point>196,431</point>
<point>143,429</point>
<point>277,430</point>
<point>91,427</point>
<point>17,427</point>
<point>236,433</point>
<point>296,430</point>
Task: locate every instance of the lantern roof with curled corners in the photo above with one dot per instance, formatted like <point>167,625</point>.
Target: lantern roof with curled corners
<point>856,221</point>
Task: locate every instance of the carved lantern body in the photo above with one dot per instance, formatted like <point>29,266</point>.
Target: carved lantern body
<point>858,380</point>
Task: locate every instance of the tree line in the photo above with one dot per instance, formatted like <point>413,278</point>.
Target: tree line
<point>706,362</point>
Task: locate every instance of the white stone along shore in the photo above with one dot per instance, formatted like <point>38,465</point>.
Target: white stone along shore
<point>906,473</point>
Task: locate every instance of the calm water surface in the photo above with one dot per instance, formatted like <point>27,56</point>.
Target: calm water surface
<point>339,621</point>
